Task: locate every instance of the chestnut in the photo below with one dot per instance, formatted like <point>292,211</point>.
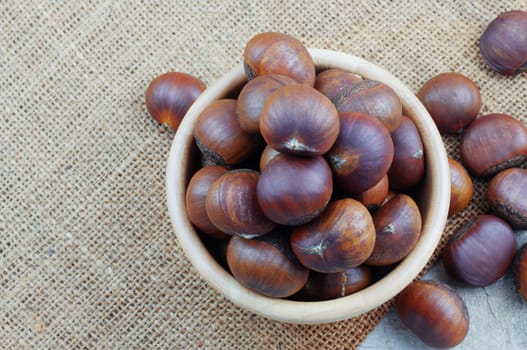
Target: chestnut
<point>267,154</point>
<point>398,227</point>
<point>452,99</point>
<point>503,44</point>
<point>219,137</point>
<point>461,187</point>
<point>195,199</point>
<point>492,143</point>
<point>326,286</point>
<point>342,237</point>
<point>362,153</point>
<point>519,271</point>
<point>507,196</point>
<point>297,119</point>
<point>434,312</point>
<point>232,207</point>
<point>170,95</point>
<point>252,98</point>
<point>294,190</point>
<point>408,165</point>
<point>330,81</point>
<point>266,265</point>
<point>374,197</point>
<point>481,251</point>
<point>278,53</point>
<point>374,98</point>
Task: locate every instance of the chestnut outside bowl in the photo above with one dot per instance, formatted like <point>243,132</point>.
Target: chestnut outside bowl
<point>183,161</point>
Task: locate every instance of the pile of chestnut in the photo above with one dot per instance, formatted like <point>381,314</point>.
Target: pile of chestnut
<point>308,180</point>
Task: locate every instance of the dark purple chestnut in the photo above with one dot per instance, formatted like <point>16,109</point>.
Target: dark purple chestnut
<point>461,187</point>
<point>408,165</point>
<point>374,98</point>
<point>170,95</point>
<point>278,53</point>
<point>266,265</point>
<point>519,271</point>
<point>507,196</point>
<point>503,44</point>
<point>452,99</point>
<point>481,251</point>
<point>219,136</point>
<point>492,143</point>
<point>342,237</point>
<point>299,120</point>
<point>252,98</point>
<point>398,227</point>
<point>232,206</point>
<point>362,153</point>
<point>330,81</point>
<point>294,190</point>
<point>434,312</point>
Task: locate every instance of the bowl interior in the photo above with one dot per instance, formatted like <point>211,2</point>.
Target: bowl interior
<point>183,162</point>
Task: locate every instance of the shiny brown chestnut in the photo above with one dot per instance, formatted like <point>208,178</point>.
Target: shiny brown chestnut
<point>374,197</point>
<point>266,265</point>
<point>342,237</point>
<point>362,153</point>
<point>408,165</point>
<point>398,227</point>
<point>507,196</point>
<point>492,143</point>
<point>195,199</point>
<point>252,98</point>
<point>294,190</point>
<point>219,136</point>
<point>461,187</point>
<point>374,98</point>
<point>330,81</point>
<point>434,312</point>
<point>232,207</point>
<point>452,99</point>
<point>299,120</point>
<point>170,95</point>
<point>326,286</point>
<point>278,53</point>
<point>267,154</point>
<point>519,271</point>
<point>503,44</point>
<point>481,251</point>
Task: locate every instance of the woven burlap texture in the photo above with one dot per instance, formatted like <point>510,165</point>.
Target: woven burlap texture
<point>88,256</point>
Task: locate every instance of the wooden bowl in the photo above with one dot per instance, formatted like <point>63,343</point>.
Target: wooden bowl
<point>183,161</point>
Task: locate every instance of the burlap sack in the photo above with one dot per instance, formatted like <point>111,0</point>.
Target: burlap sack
<point>88,257</point>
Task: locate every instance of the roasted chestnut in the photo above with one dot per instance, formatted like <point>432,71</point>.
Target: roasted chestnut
<point>252,98</point>
<point>170,95</point>
<point>374,98</point>
<point>294,190</point>
<point>481,251</point>
<point>374,197</point>
<point>266,265</point>
<point>398,227</point>
<point>362,153</point>
<point>434,312</point>
<point>325,286</point>
<point>232,206</point>
<point>330,81</point>
<point>452,99</point>
<point>342,237</point>
<point>461,188</point>
<point>519,271</point>
<point>278,53</point>
<point>503,44</point>
<point>408,165</point>
<point>492,143</point>
<point>299,120</point>
<point>219,136</point>
<point>195,199</point>
<point>507,196</point>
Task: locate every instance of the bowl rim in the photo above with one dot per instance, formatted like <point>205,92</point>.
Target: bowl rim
<point>435,206</point>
